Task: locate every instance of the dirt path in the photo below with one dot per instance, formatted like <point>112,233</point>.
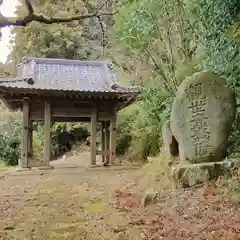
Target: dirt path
<point>75,202</point>
<point>69,202</point>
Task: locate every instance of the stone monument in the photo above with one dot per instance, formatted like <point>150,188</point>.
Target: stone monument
<point>169,141</point>
<point>202,115</point>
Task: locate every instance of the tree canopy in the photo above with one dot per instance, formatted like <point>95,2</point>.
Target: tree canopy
<point>40,16</point>
<point>79,39</point>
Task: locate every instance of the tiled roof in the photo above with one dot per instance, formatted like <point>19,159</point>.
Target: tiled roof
<point>65,75</point>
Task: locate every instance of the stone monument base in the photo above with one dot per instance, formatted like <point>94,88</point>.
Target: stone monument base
<point>23,169</point>
<point>184,176</point>
<point>47,167</point>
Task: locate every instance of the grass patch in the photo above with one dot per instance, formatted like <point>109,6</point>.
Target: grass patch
<point>156,172</point>
<point>230,187</point>
<point>2,165</point>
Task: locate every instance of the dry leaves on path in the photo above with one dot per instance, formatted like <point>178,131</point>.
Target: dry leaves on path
<point>198,214</point>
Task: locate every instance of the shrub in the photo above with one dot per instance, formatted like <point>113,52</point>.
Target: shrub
<point>154,110</point>
<point>219,46</point>
<point>10,136</point>
<point>64,136</point>
<point>126,119</point>
<point>139,127</point>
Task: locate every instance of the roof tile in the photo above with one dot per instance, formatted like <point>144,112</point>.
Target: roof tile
<point>65,75</point>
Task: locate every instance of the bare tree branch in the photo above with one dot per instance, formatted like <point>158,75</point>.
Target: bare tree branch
<point>103,33</point>
<point>31,16</point>
<point>29,7</point>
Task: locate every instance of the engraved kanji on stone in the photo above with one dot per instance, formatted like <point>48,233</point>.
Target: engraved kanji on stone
<point>199,122</point>
<point>194,92</point>
<point>200,135</point>
<point>197,107</point>
<point>199,129</point>
<point>202,148</point>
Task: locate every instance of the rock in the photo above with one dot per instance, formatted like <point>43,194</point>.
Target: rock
<point>9,228</point>
<point>169,141</point>
<point>150,159</point>
<point>184,176</point>
<point>182,155</point>
<point>149,198</point>
<point>202,115</point>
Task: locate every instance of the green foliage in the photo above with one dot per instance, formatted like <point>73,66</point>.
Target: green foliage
<point>175,39</point>
<point>126,119</point>
<point>10,136</point>
<point>139,127</point>
<point>230,185</point>
<point>158,36</point>
<point>219,21</point>
<point>64,136</point>
<point>5,70</point>
<point>74,40</point>
<point>154,110</point>
<point>37,146</point>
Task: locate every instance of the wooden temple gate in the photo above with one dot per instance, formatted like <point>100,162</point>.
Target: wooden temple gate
<point>57,90</point>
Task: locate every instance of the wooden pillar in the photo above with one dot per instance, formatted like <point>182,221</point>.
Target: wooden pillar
<point>47,137</point>
<point>103,141</point>
<point>107,142</point>
<point>93,136</point>
<point>23,161</point>
<point>30,140</point>
<point>113,136</point>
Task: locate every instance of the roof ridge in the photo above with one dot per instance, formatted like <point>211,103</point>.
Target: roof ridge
<point>28,80</point>
<point>64,61</point>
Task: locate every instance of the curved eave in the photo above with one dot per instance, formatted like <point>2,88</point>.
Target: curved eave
<point>7,94</point>
<point>64,92</point>
<point>130,100</point>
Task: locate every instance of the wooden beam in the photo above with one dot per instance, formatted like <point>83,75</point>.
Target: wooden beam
<point>107,142</point>
<point>103,141</point>
<point>7,104</point>
<point>62,112</point>
<point>66,119</point>
<point>113,136</point>
<point>38,115</point>
<point>99,152</point>
<point>51,94</point>
<point>23,162</point>
<point>38,101</point>
<point>69,111</point>
<point>47,137</point>
<point>30,140</point>
<point>59,101</point>
<point>93,136</point>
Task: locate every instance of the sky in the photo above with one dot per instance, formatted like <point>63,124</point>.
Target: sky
<point>7,10</point>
